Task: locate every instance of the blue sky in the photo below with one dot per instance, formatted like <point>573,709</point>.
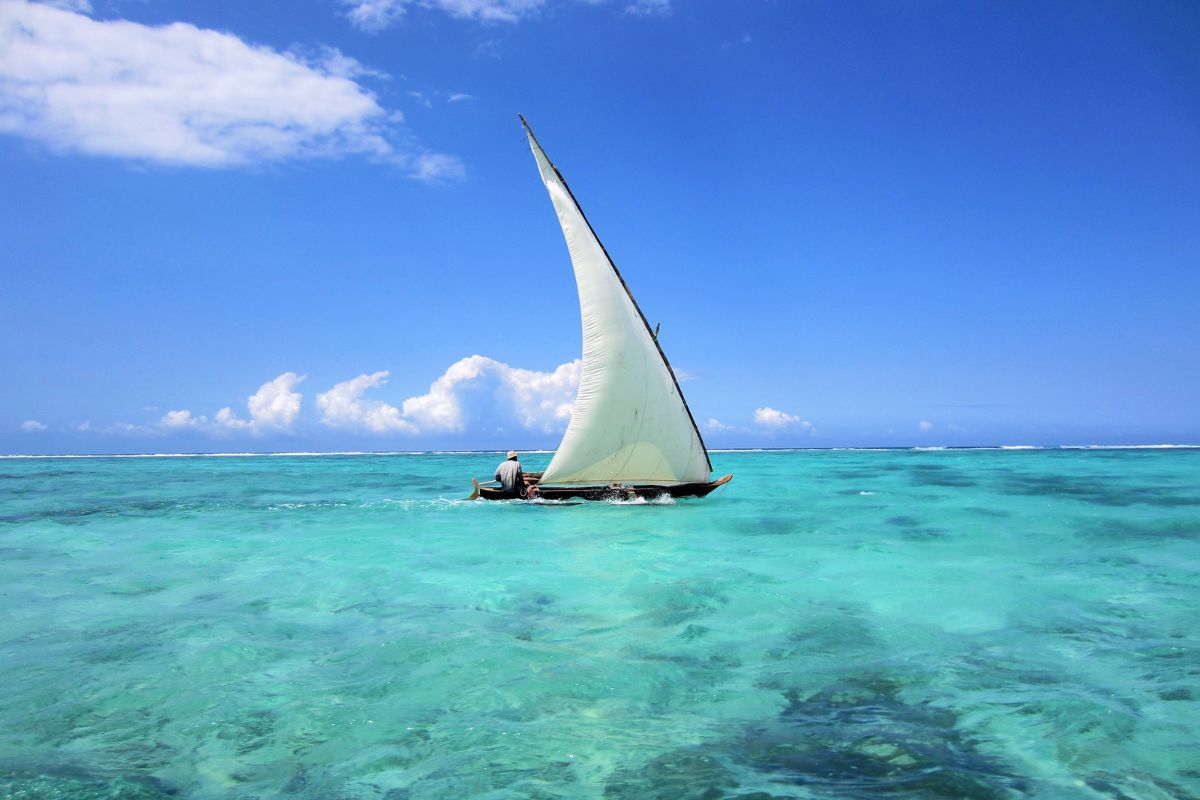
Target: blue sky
<point>859,224</point>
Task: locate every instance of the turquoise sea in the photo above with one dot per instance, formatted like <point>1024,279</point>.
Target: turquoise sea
<point>832,624</point>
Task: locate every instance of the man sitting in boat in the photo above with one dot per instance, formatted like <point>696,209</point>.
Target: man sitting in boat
<point>510,475</point>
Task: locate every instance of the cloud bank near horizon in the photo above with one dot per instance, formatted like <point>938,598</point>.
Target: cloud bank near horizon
<point>186,96</point>
<point>475,396</point>
<point>274,407</point>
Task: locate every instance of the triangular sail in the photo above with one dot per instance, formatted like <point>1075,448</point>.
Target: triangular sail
<point>630,423</point>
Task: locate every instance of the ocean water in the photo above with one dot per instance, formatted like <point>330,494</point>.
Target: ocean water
<point>853,624</point>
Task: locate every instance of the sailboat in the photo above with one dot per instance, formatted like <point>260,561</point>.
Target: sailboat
<point>631,433</point>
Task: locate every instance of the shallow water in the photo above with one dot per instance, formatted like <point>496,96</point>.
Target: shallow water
<point>985,624</point>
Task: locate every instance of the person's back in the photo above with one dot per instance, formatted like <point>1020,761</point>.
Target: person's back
<point>510,475</point>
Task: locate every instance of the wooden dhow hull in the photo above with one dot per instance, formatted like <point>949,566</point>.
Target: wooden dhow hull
<point>608,492</point>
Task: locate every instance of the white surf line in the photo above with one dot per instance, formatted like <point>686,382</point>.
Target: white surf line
<point>308,454</point>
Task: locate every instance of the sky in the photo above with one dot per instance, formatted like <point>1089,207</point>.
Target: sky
<point>314,226</point>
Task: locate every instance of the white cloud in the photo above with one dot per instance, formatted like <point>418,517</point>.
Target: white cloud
<point>459,97</point>
<point>437,168</point>
<point>420,98</point>
<point>682,375</point>
<point>375,15</point>
<point>489,48</point>
<point>32,426</point>
<point>122,428</point>
<point>773,418</point>
<point>71,5</point>
<point>476,394</point>
<point>336,63</point>
<point>343,406</point>
<point>183,95</point>
<point>479,393</point>
<point>227,419</point>
<point>274,407</point>
<point>181,419</point>
<point>715,425</point>
<point>649,8</point>
<point>276,404</point>
<point>130,428</point>
<point>925,425</point>
<point>742,40</point>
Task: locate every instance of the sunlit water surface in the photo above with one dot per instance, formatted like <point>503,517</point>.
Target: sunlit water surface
<point>982,624</point>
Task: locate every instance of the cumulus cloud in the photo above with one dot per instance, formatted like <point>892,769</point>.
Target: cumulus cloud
<point>925,425</point>
<point>715,425</point>
<point>183,95</point>
<point>32,426</point>
<point>181,419</point>
<point>343,406</point>
<point>477,394</point>
<point>227,419</point>
<point>274,407</point>
<point>773,418</point>
<point>276,404</point>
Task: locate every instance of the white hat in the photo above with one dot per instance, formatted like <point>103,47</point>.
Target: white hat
<point>512,453</point>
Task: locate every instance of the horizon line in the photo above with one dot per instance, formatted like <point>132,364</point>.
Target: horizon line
<point>909,448</point>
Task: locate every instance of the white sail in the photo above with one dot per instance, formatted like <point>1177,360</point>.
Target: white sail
<point>630,423</point>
